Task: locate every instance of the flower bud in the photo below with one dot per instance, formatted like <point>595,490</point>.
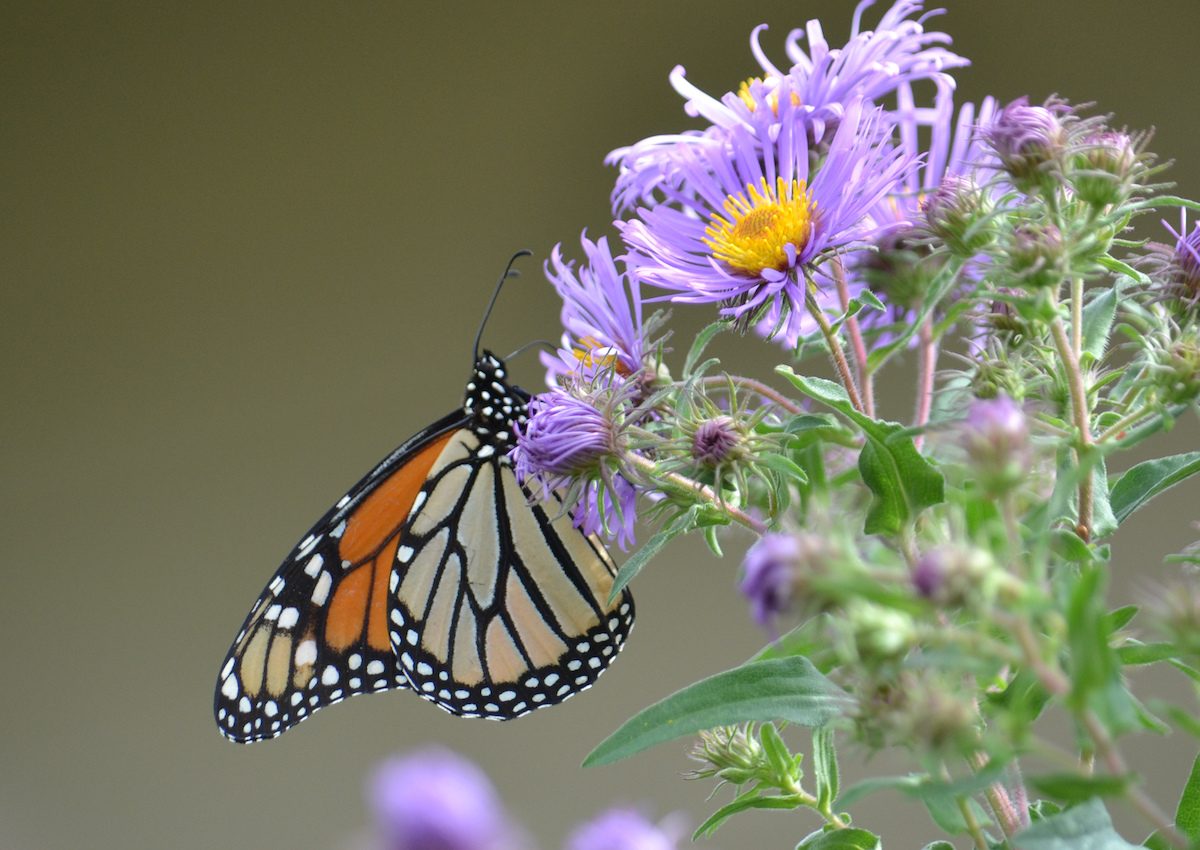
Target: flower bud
<point>1178,372</point>
<point>716,441</point>
<point>957,214</point>
<point>1037,255</point>
<point>880,634</point>
<point>902,268</point>
<point>777,570</point>
<point>1104,168</point>
<point>1029,142</point>
<point>995,435</point>
<point>952,575</point>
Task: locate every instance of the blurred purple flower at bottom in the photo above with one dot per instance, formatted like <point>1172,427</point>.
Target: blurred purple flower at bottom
<point>769,575</point>
<point>621,829</point>
<point>437,800</point>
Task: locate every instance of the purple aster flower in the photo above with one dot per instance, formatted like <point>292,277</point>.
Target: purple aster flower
<point>622,829</point>
<point>601,316</point>
<point>437,800</point>
<point>821,83</point>
<point>571,446</point>
<point>1176,267</point>
<point>769,575</point>
<point>760,221</point>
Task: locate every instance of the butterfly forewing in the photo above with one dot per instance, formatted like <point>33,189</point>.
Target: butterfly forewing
<point>318,632</point>
<point>499,607</point>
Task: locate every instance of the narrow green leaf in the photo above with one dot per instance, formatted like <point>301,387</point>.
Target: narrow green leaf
<point>777,752</point>
<point>790,689</point>
<point>825,766</point>
<point>633,565</point>
<point>783,465</point>
<point>1104,522</point>
<point>1115,265</point>
<point>701,342</point>
<point>1119,618</point>
<point>1098,318</point>
<point>1143,482</point>
<point>747,801</point>
<point>848,838</point>
<point>1187,813</point>
<point>1072,788</point>
<point>1136,653</point>
<point>1085,827</point>
<point>899,477</point>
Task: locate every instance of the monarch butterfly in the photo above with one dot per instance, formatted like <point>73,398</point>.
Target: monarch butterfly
<point>436,572</point>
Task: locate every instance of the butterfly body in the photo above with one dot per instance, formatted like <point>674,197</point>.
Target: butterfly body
<point>436,572</point>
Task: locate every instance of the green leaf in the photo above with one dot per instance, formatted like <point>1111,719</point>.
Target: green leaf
<point>784,466</point>
<point>1115,265</point>
<point>701,342</point>
<point>777,752</point>
<point>1098,318</point>
<point>1119,618</point>
<point>1137,653</point>
<point>1143,482</point>
<point>848,838</point>
<point>1187,813</point>
<point>825,767</point>
<point>1085,827</point>
<point>786,689</point>
<point>1104,522</point>
<point>899,477</point>
<point>682,524</point>
<point>750,800</point>
<point>1073,788</point>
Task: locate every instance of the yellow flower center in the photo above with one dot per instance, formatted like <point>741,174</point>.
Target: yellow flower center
<point>747,97</point>
<point>593,354</point>
<point>757,226</point>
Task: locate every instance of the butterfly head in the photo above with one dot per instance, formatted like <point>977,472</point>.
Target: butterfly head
<point>494,405</point>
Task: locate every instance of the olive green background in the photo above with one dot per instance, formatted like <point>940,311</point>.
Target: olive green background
<point>244,251</point>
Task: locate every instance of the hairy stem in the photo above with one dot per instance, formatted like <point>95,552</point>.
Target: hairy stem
<point>767,392</point>
<point>865,378</point>
<point>694,488</point>
<point>835,349</point>
<point>1081,417</point>
<point>929,355</point>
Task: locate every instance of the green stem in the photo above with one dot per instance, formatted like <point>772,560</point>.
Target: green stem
<point>693,488</point>
<point>929,355</point>
<point>865,377</point>
<point>1080,415</point>
<point>835,348</point>
<point>720,381</point>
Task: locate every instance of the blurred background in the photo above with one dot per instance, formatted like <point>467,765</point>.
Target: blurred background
<point>244,251</point>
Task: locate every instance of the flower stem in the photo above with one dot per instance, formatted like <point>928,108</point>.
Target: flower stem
<point>865,378</point>
<point>929,355</point>
<point>1079,405</point>
<point>835,348</point>
<point>694,488</point>
<point>767,392</point>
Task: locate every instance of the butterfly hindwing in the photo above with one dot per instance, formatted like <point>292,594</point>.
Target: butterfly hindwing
<point>499,607</point>
<point>318,632</point>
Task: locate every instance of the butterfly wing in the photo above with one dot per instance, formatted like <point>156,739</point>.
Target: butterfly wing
<point>499,607</point>
<point>318,633</point>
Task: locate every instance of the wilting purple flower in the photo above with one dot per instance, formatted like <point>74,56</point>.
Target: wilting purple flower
<point>571,445</point>
<point>769,574</point>
<point>820,83</point>
<point>601,316</point>
<point>759,219</point>
<point>437,800</point>
<point>621,829</point>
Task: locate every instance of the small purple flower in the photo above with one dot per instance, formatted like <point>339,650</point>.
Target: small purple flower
<point>601,316</point>
<point>437,800</point>
<point>571,445</point>
<point>760,221</point>
<point>1176,267</point>
<point>820,85</point>
<point>995,435</point>
<point>1028,140</point>
<point>769,575</point>
<point>622,829</point>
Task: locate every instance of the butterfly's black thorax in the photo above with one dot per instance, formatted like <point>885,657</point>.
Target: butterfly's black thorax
<point>494,406</point>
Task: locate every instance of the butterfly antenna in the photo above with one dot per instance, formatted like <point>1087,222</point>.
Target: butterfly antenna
<point>544,343</point>
<point>509,271</point>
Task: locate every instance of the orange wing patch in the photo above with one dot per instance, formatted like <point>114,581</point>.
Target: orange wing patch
<point>382,513</point>
<point>372,532</point>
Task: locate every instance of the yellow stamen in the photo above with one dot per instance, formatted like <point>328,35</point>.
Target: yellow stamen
<point>757,227</point>
<point>593,354</point>
<point>772,98</point>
